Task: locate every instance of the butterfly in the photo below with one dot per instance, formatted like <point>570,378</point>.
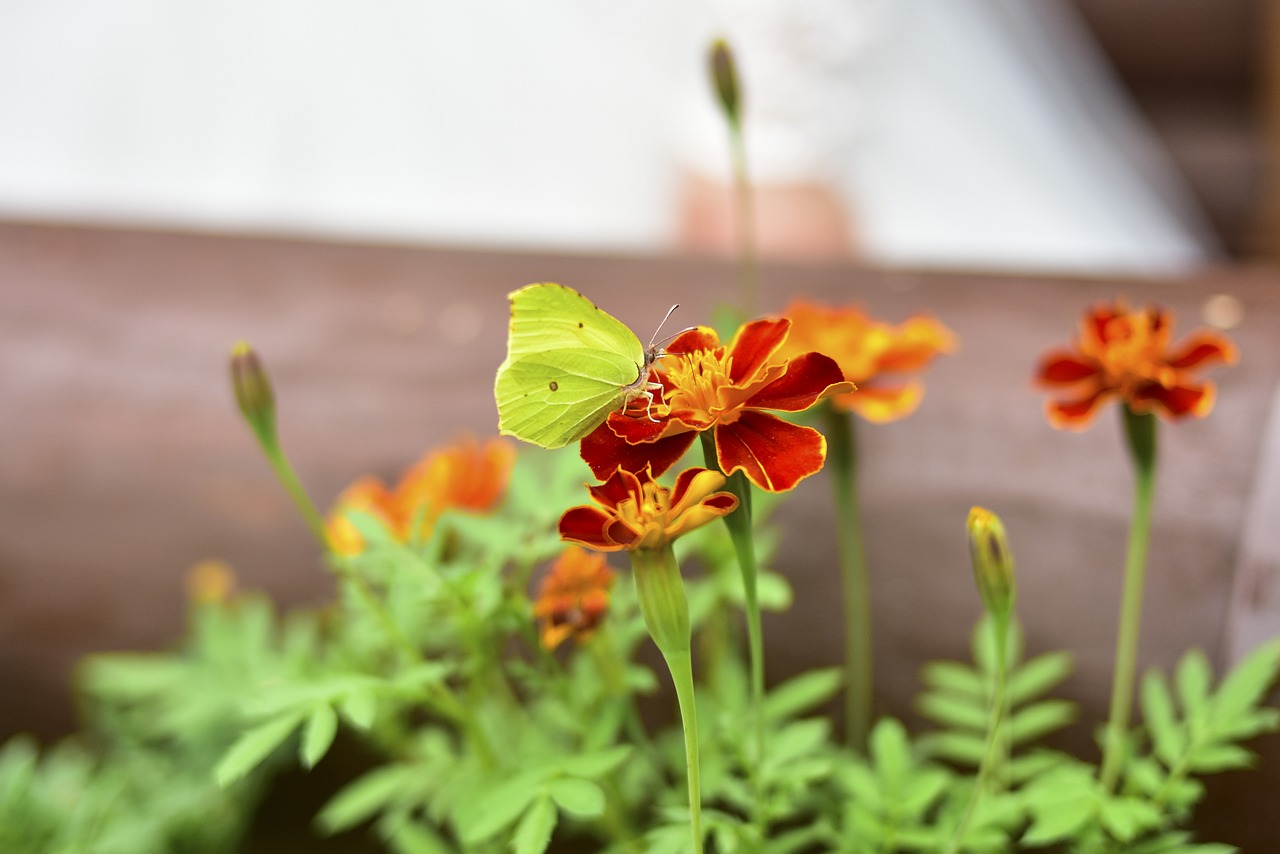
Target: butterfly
<point>569,364</point>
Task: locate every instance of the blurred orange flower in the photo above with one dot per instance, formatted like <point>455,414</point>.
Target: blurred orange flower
<point>869,353</point>
<point>1125,355</point>
<point>468,475</point>
<point>573,598</point>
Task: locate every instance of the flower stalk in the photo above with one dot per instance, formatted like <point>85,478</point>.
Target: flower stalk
<point>1140,434</point>
<point>740,533</point>
<point>660,591</point>
<point>724,76</point>
<point>257,403</point>
<point>842,453</point>
<point>993,573</point>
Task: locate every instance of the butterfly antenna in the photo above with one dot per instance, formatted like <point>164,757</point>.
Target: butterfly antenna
<point>655,349</point>
<point>666,317</point>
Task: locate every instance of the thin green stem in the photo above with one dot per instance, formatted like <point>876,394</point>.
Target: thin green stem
<point>746,220</point>
<point>681,667</point>
<point>740,532</point>
<point>842,452</point>
<point>289,480</point>
<point>999,701</point>
<point>660,592</point>
<point>1140,430</point>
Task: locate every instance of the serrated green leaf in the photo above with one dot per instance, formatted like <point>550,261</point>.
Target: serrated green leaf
<point>1040,719</point>
<point>1037,676</point>
<point>1194,680</point>
<point>597,763</point>
<point>495,807</point>
<point>1168,739</point>
<point>359,709</point>
<point>801,738</point>
<point>1247,683</point>
<point>954,712</point>
<point>1126,818</point>
<point>413,838</point>
<point>577,796</point>
<point>365,797</point>
<point>1060,822</point>
<point>1213,758</point>
<point>252,747</point>
<point>961,748</point>
<point>533,833</point>
<point>951,677</point>
<point>890,750</point>
<point>317,735</point>
<point>802,693</point>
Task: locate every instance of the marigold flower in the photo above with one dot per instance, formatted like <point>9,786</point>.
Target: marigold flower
<point>573,598</point>
<point>633,511</point>
<point>728,390</point>
<point>467,475</point>
<point>869,353</point>
<point>210,582</point>
<point>1125,355</point>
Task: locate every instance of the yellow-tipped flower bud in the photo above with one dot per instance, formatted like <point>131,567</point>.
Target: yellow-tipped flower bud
<point>724,73</point>
<point>992,562</point>
<point>253,392</point>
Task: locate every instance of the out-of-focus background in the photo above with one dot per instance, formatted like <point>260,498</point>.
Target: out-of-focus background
<point>356,187</point>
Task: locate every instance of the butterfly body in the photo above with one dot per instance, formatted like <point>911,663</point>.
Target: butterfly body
<point>569,364</point>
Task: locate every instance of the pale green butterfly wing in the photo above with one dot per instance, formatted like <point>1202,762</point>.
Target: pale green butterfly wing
<point>568,366</point>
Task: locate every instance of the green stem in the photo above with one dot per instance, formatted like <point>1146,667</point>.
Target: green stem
<point>681,666</point>
<point>289,480</point>
<point>1140,431</point>
<point>740,532</point>
<point>746,221</point>
<point>998,703</point>
<point>858,681</point>
<point>660,591</point>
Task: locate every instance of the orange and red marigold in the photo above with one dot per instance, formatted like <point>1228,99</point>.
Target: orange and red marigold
<point>728,390</point>
<point>468,475</point>
<point>1125,356</point>
<point>573,597</point>
<point>870,353</point>
<point>633,511</point>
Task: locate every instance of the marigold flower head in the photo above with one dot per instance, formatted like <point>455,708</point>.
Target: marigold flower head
<point>992,561</point>
<point>573,598</point>
<point>872,354</point>
<point>728,390</point>
<point>467,475</point>
<point>633,511</point>
<point>1125,356</point>
<point>210,582</point>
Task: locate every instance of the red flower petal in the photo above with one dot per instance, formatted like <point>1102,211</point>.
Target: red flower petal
<point>1178,401</point>
<point>618,486</point>
<point>586,525</point>
<point>1063,367</point>
<point>1077,414</point>
<point>754,344</point>
<point>1202,350</point>
<point>692,340</point>
<point>774,454</point>
<point>604,451</point>
<point>808,378</point>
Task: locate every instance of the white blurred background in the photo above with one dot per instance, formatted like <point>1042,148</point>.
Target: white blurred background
<point>955,133</point>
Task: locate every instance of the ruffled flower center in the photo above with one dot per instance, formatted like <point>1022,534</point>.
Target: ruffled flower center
<point>700,379</point>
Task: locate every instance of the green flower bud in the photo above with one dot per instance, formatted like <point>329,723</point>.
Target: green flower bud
<point>253,392</point>
<point>660,590</point>
<point>724,73</point>
<point>992,562</point>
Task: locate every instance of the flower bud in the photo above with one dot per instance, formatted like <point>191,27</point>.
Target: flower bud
<point>253,392</point>
<point>992,562</point>
<point>724,74</point>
